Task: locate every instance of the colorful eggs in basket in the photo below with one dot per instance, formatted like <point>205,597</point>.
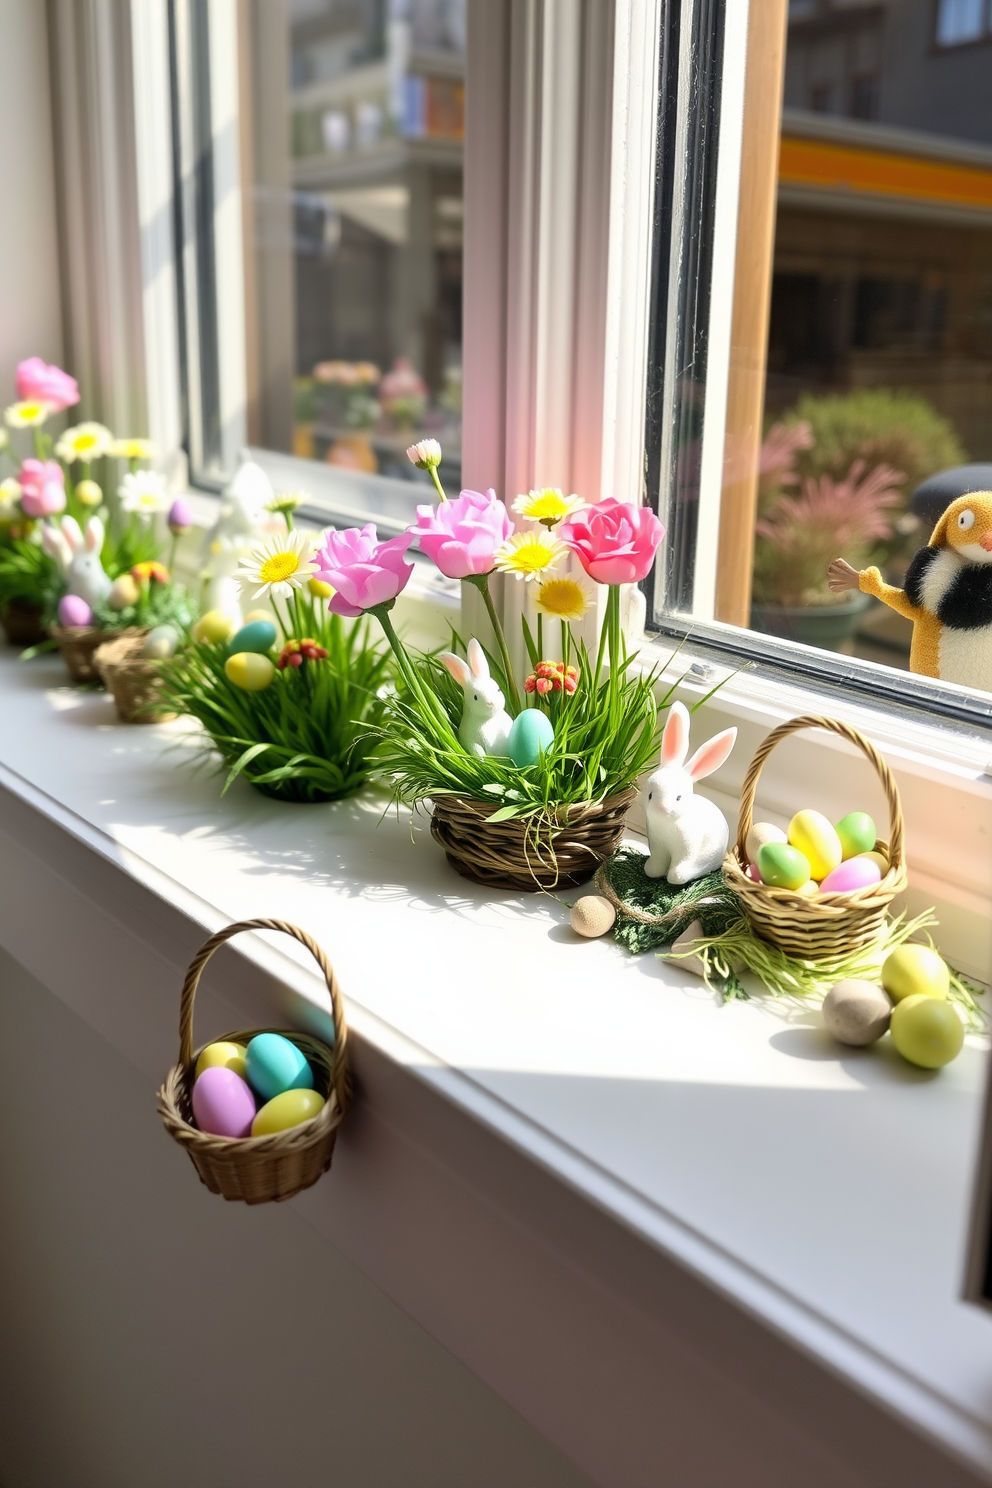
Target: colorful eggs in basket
<point>760,833</point>
<point>224,1054</point>
<point>856,873</point>
<point>215,626</point>
<point>289,1109</point>
<point>783,866</point>
<point>274,1065</point>
<point>531,734</point>
<point>857,833</point>
<point>812,835</point>
<point>249,671</point>
<point>913,969</point>
<point>222,1103</point>
<point>258,636</point>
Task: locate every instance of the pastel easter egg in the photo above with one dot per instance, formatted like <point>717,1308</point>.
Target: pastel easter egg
<point>809,889</point>
<point>856,873</point>
<point>124,592</point>
<point>879,858</point>
<point>249,671</point>
<point>266,615</point>
<point>817,840</point>
<point>215,626</point>
<point>857,833</point>
<point>856,1012</point>
<point>74,611</point>
<point>760,833</point>
<point>289,1109</point>
<point>782,866</point>
<point>258,636</point>
<point>222,1055</point>
<point>222,1103</point>
<point>927,1031</point>
<point>754,872</point>
<point>274,1064</point>
<point>160,643</point>
<point>531,734</point>
<point>912,969</point>
<point>592,915</point>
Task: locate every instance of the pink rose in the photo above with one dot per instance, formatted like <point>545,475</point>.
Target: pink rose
<point>39,382</point>
<point>42,488</point>
<point>615,541</point>
<point>461,536</point>
<point>362,571</point>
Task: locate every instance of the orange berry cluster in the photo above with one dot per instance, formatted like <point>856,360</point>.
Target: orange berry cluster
<point>295,653</point>
<point>552,676</point>
<point>155,573</point>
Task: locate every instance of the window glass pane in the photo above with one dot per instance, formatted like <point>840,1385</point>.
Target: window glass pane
<point>355,130</point>
<point>870,371</point>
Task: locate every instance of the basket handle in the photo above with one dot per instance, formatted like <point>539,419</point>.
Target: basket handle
<point>833,726</point>
<point>339,1073</point>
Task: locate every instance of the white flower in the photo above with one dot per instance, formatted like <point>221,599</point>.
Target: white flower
<point>279,566</point>
<point>10,495</point>
<point>143,491</point>
<point>426,455</point>
<point>84,442</point>
<point>4,439</point>
<point>28,414</point>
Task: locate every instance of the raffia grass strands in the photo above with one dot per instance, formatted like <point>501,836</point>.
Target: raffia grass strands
<point>260,1170</point>
<point>133,682</point>
<point>542,851</point>
<point>824,925</point>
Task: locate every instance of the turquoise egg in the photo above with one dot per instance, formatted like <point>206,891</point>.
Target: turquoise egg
<point>531,734</point>
<point>273,1064</point>
<point>258,636</point>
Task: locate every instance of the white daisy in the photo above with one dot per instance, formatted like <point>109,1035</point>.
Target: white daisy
<point>10,495</point>
<point>280,565</point>
<point>143,491</point>
<point>84,442</point>
<point>28,414</point>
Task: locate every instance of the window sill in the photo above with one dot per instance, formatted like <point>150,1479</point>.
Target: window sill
<point>552,1193</point>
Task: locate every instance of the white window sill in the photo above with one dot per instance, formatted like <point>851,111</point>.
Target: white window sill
<point>729,1142</point>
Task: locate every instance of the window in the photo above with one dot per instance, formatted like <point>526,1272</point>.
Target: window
<point>961,21</point>
<point>823,284</point>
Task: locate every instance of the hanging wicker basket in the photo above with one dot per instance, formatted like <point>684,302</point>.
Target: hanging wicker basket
<point>533,853</point>
<point>79,645</point>
<point>132,679</point>
<point>260,1170</point>
<point>825,924</point>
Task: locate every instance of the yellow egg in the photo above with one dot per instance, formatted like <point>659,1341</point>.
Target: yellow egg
<point>926,1031</point>
<point>319,589</point>
<point>249,671</point>
<point>809,888</point>
<point>879,859</point>
<point>911,969</point>
<point>254,615</point>
<point>225,1054</point>
<point>214,627</point>
<point>291,1108</point>
<point>817,840</point>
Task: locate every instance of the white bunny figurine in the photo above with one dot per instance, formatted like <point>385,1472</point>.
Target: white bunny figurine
<point>78,556</point>
<point>485,723</point>
<point>687,835</point>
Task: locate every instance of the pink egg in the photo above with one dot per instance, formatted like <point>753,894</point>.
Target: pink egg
<point>74,611</point>
<point>753,872</point>
<point>223,1104</point>
<point>855,873</point>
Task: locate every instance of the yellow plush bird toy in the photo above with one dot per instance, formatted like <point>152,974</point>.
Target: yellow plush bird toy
<point>947,594</point>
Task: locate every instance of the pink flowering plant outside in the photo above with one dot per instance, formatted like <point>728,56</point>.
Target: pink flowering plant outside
<point>602,709</point>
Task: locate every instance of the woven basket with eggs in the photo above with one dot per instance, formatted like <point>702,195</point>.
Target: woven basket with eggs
<point>825,924</point>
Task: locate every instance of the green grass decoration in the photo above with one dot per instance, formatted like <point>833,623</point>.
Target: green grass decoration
<point>28,576</point>
<point>158,604</point>
<point>308,737</point>
<point>708,899</point>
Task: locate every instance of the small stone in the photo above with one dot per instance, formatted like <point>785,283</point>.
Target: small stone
<point>695,964</point>
<point>592,915</point>
<point>856,1012</point>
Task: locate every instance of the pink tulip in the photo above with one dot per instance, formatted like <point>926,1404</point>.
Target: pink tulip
<point>47,384</point>
<point>362,571</point>
<point>461,536</point>
<point>615,541</point>
<point>42,488</point>
<point>180,517</point>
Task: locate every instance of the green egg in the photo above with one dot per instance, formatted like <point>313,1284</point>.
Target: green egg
<point>857,833</point>
<point>782,866</point>
<point>258,636</point>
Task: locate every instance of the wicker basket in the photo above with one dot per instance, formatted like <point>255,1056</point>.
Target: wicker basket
<point>525,855</point>
<point>134,681</point>
<point>826,924</point>
<point>22,623</point>
<point>80,643</point>
<point>260,1170</point>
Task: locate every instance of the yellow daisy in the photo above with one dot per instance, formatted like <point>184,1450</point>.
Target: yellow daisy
<point>548,505</point>
<point>279,566</point>
<point>27,414</point>
<point>562,599</point>
<point>529,554</point>
<point>85,442</point>
<point>132,449</point>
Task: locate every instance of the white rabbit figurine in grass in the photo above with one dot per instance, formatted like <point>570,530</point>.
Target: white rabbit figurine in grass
<point>78,556</point>
<point>687,835</point>
<point>485,723</point>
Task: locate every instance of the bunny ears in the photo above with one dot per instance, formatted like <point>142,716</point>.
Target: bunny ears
<point>477,665</point>
<point>675,745</point>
